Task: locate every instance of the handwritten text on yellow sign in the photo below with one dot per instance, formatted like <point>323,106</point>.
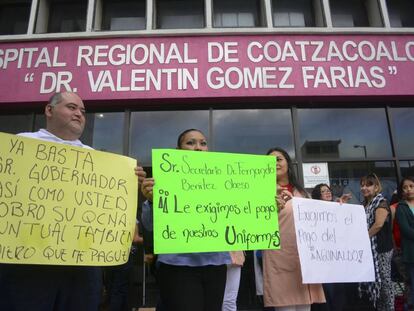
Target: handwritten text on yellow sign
<point>61,204</point>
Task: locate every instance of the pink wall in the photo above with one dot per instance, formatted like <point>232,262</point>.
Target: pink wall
<point>214,66</point>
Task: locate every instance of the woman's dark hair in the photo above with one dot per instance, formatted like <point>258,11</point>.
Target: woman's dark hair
<point>181,136</point>
<point>291,172</point>
<point>316,192</point>
<point>400,185</point>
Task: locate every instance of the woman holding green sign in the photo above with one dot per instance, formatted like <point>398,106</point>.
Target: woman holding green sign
<point>192,281</point>
<point>282,277</point>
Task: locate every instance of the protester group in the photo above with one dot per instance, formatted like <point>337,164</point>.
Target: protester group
<point>209,281</point>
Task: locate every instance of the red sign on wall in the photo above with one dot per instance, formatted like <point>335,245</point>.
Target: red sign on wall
<point>215,66</point>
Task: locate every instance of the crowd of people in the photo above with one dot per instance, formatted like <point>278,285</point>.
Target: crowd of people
<point>210,281</point>
<point>278,272</point>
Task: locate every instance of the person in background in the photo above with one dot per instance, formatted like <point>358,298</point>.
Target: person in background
<point>335,293</point>
<point>233,281</point>
<point>405,219</point>
<point>191,281</point>
<point>282,276</point>
<point>117,279</point>
<point>395,200</point>
<point>324,192</point>
<point>399,273</point>
<point>55,287</point>
<point>379,220</point>
<point>258,278</point>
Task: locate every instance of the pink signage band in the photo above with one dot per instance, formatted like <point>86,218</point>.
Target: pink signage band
<point>214,66</point>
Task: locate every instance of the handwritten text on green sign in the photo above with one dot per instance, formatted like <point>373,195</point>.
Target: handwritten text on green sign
<point>209,201</point>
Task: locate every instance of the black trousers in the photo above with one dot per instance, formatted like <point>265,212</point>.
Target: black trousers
<point>117,282</point>
<point>50,288</point>
<point>184,288</point>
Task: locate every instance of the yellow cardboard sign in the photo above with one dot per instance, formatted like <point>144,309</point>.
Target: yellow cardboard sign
<point>64,205</point>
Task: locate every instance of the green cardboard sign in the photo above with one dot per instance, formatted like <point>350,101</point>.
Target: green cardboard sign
<point>211,201</point>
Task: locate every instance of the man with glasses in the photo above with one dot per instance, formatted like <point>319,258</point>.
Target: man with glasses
<point>55,287</point>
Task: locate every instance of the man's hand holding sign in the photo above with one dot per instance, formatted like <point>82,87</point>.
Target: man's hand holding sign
<point>64,209</point>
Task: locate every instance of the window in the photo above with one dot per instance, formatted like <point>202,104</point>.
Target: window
<point>14,17</point>
<point>237,13</point>
<point>40,121</point>
<point>17,123</point>
<point>105,131</point>
<point>253,130</point>
<point>355,13</point>
<point>123,15</point>
<point>160,129</point>
<point>407,168</point>
<point>301,13</point>
<point>403,131</point>
<point>401,13</point>
<point>67,16</point>
<point>184,14</point>
<point>344,177</point>
<point>343,133</point>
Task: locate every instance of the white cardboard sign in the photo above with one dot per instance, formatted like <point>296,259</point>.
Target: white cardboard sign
<point>333,242</point>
